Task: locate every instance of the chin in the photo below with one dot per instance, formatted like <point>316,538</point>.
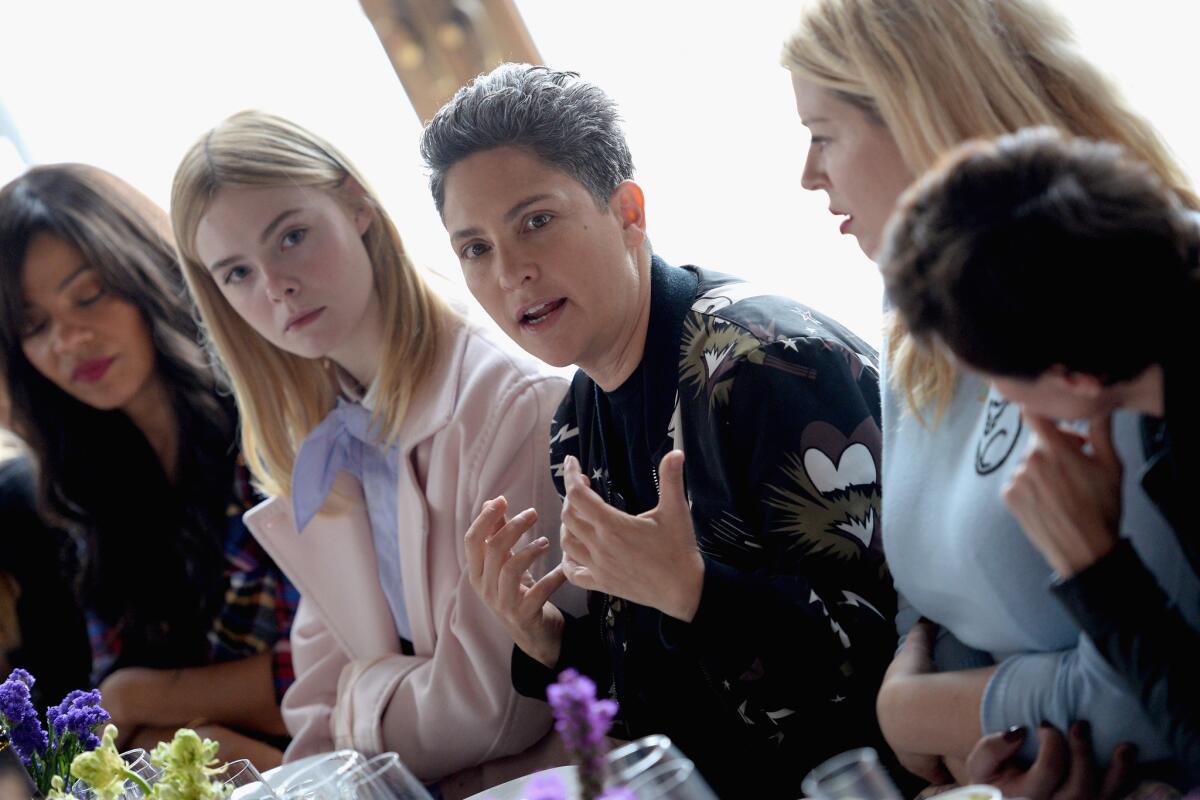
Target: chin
<point>553,356</point>
<point>104,401</point>
<point>303,349</point>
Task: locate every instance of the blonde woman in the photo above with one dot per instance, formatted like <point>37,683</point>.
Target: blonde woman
<point>886,87</point>
<point>380,422</point>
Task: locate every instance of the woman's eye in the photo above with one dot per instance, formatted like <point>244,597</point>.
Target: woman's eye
<point>294,237</point>
<point>235,275</point>
<point>538,221</point>
<point>32,328</point>
<point>820,142</point>
<point>91,299</point>
<point>474,250</point>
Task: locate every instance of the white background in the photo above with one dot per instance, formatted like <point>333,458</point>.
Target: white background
<point>130,85</point>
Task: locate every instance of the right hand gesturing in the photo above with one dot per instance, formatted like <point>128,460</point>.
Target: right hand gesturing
<point>502,579</point>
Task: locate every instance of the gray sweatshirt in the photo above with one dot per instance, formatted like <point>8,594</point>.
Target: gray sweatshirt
<point>959,558</point>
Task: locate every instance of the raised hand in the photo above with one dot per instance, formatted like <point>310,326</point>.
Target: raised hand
<point>650,559</point>
<point>1067,500</point>
<point>502,578</point>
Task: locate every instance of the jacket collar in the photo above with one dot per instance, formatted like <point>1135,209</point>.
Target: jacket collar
<point>434,402</point>
<point>345,539</point>
<point>672,292</point>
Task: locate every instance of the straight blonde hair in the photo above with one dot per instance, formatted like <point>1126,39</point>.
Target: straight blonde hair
<point>937,73</point>
<point>282,396</point>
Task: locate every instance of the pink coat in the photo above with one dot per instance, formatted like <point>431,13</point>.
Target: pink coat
<point>478,430</point>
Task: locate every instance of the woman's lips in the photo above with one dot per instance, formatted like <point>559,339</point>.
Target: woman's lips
<point>543,315</point>
<point>304,319</point>
<point>92,370</point>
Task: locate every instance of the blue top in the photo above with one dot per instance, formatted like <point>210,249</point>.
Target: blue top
<point>347,441</point>
<point>958,557</point>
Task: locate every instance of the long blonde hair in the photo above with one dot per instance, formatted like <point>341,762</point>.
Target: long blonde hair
<point>282,396</point>
<point>937,73</point>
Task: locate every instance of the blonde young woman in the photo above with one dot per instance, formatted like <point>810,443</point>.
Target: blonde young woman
<point>885,87</point>
<point>380,422</point>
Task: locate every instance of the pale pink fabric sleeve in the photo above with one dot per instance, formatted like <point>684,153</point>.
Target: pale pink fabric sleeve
<point>458,709</point>
<point>308,703</point>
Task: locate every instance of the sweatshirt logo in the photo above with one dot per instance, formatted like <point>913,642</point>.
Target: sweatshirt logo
<point>1001,430</point>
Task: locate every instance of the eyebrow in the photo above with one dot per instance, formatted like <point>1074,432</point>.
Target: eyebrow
<point>810,122</point>
<point>509,215</point>
<point>67,280</point>
<point>266,234</point>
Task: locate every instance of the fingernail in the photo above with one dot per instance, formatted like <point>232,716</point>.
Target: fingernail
<point>1080,729</point>
<point>541,542</point>
<point>1015,734</point>
<point>1045,724</point>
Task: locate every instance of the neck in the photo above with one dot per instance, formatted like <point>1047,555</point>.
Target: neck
<point>362,353</point>
<point>152,411</point>
<point>629,345</point>
<point>1145,392</point>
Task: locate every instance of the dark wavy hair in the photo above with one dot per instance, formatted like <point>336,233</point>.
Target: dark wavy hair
<point>1032,249</point>
<point>153,548</point>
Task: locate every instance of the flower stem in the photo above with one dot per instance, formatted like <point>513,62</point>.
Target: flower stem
<point>138,781</point>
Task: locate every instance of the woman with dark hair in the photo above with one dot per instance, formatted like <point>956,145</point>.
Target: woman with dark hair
<point>136,451</point>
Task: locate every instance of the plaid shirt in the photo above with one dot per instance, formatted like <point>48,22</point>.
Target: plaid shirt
<point>259,605</point>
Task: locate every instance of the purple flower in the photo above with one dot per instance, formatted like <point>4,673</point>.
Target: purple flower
<point>21,675</point>
<point>617,793</point>
<point>582,721</point>
<point>544,787</point>
<point>80,714</point>
<point>19,716</point>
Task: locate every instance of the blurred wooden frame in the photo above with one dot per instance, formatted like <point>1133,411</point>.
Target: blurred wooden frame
<point>437,46</point>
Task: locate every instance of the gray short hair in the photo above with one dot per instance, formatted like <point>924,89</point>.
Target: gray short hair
<point>564,120</point>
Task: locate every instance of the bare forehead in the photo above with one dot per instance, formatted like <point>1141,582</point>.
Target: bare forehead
<point>237,215</point>
<point>490,181</point>
<point>49,261</point>
<point>242,203</point>
<point>817,104</point>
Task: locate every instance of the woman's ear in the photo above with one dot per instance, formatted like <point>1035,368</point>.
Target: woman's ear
<point>628,203</point>
<point>358,203</point>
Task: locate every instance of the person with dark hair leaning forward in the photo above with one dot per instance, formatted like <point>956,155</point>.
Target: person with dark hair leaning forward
<point>1097,258</point>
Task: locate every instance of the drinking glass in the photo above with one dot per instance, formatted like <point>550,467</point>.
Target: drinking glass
<point>139,764</point>
<point>319,780</point>
<point>383,777</point>
<point>671,780</point>
<point>854,774</point>
<point>630,760</point>
<point>243,780</point>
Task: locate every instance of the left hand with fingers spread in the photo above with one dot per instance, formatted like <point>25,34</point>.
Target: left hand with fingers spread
<point>650,559</point>
<point>1067,500</point>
